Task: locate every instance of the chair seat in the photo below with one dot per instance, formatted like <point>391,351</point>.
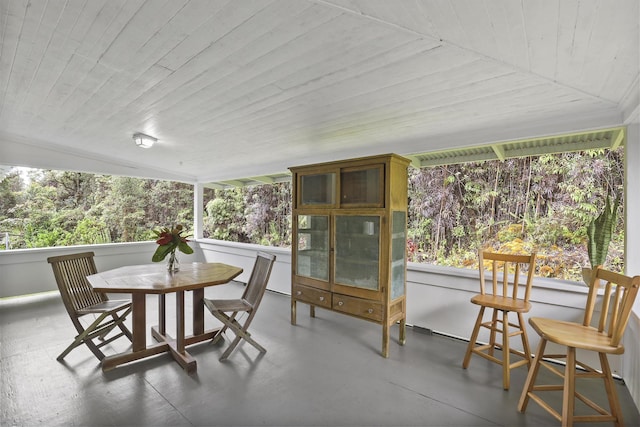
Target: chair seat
<point>227,305</point>
<point>502,303</point>
<point>574,335</point>
<point>105,306</point>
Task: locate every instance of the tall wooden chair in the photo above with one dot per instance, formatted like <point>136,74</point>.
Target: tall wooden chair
<point>502,299</point>
<point>80,300</point>
<point>230,311</point>
<point>616,302</point>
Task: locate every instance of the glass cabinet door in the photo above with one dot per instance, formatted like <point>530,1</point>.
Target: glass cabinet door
<point>362,186</point>
<point>357,251</point>
<point>313,247</point>
<point>398,253</point>
<point>317,189</point>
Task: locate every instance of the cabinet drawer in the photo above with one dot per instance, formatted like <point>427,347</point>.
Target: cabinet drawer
<point>358,307</point>
<point>312,296</point>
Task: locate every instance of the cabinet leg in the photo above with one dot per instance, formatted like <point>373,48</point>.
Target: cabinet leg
<point>403,331</point>
<point>293,311</point>
<point>312,311</point>
<point>385,340</point>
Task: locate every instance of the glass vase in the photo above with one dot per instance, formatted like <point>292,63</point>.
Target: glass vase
<point>173,264</point>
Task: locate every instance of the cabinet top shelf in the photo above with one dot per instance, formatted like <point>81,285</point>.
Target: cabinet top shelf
<point>365,182</point>
<point>355,162</point>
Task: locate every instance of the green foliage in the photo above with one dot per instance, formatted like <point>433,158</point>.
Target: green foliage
<point>88,231</point>
<point>125,207</point>
<point>43,238</point>
<point>600,232</point>
<point>168,203</point>
<point>67,208</point>
<point>418,232</point>
<point>9,189</point>
<point>541,203</point>
<point>225,218</point>
<point>256,214</point>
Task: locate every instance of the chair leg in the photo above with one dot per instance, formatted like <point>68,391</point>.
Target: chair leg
<point>120,320</point>
<point>229,349</point>
<point>492,335</point>
<point>569,393</point>
<point>224,319</point>
<point>81,338</point>
<point>126,331</point>
<point>247,337</point>
<point>506,352</point>
<point>525,339</point>
<point>531,376</point>
<point>240,335</point>
<point>472,340</point>
<point>67,350</point>
<point>94,349</point>
<point>610,388</point>
<point>230,322</point>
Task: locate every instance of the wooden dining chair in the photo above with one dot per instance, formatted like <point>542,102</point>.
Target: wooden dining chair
<point>81,300</point>
<point>237,314</point>
<point>605,337</point>
<point>502,299</point>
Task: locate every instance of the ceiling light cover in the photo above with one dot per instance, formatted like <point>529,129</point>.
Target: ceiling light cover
<point>144,141</point>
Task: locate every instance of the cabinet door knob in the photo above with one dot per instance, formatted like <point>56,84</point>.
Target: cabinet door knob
<point>341,303</point>
<point>370,310</point>
<point>299,293</point>
<point>321,298</point>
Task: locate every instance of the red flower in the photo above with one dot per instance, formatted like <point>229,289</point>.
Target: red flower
<point>165,238</point>
<point>169,240</point>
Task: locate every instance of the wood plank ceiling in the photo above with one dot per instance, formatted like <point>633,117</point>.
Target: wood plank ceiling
<point>241,88</point>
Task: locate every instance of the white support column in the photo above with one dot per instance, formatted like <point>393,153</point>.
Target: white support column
<point>632,200</point>
<point>630,369</point>
<point>198,210</point>
<point>632,204</point>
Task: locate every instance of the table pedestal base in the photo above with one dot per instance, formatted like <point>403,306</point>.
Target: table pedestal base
<point>185,360</point>
<point>166,344</point>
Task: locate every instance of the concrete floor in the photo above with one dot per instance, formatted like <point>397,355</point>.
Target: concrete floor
<point>325,371</point>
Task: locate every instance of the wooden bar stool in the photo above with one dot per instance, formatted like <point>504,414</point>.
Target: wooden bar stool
<point>502,301</point>
<point>619,294</point>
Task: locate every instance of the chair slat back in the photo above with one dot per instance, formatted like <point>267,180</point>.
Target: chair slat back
<point>505,266</point>
<point>71,273</point>
<point>616,303</point>
<point>259,278</point>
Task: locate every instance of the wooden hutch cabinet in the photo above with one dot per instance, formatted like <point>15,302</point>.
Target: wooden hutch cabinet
<point>349,234</point>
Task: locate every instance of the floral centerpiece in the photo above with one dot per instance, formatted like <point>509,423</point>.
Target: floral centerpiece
<point>169,240</point>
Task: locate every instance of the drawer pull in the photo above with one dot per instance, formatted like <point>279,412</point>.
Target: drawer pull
<point>370,310</point>
<point>299,293</point>
<point>341,303</point>
<point>321,298</point>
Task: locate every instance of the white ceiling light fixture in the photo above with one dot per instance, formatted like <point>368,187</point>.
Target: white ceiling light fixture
<point>144,141</point>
